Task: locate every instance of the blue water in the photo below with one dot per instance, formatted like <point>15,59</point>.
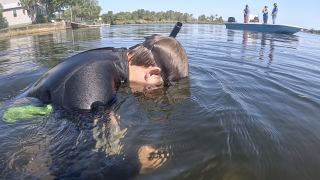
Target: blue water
<point>249,110</point>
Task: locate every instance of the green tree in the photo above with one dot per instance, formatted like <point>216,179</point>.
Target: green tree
<point>141,13</point>
<point>220,20</point>
<point>1,18</point>
<point>123,17</point>
<point>191,17</point>
<point>160,16</point>
<point>108,18</point>
<point>202,17</point>
<point>29,6</point>
<point>86,10</point>
<point>170,15</point>
<point>40,18</point>
<point>312,30</point>
<point>178,16</point>
<point>51,6</point>
<point>134,15</point>
<point>211,17</point>
<point>145,16</point>
<point>186,17</point>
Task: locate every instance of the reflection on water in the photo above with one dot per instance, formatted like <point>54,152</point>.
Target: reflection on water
<point>161,101</point>
<point>250,43</point>
<point>264,48</point>
<point>249,110</point>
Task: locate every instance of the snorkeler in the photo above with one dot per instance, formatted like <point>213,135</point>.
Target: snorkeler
<point>89,81</point>
<point>91,78</point>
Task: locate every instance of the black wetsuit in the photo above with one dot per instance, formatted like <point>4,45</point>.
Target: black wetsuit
<point>84,80</point>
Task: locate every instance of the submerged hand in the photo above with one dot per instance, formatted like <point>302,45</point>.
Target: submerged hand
<point>151,158</point>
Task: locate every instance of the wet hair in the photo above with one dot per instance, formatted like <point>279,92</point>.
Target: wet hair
<point>164,52</point>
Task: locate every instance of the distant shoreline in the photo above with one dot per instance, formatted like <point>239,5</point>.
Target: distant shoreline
<point>51,27</point>
<point>311,31</point>
<point>165,22</point>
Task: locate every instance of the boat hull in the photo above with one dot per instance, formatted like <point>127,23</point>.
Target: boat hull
<point>270,28</point>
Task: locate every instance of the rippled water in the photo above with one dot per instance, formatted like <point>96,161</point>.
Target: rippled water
<point>249,110</point>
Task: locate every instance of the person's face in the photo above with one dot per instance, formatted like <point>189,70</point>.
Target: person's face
<point>140,77</point>
<point>247,7</point>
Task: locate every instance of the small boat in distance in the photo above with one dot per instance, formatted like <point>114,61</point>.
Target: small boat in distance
<point>270,28</point>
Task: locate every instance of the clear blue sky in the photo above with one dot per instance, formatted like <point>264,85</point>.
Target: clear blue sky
<point>303,13</point>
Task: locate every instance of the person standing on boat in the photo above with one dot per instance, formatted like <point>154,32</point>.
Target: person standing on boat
<point>246,12</point>
<point>265,15</point>
<point>274,13</point>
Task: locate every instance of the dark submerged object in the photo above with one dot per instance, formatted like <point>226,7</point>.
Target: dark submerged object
<point>176,30</point>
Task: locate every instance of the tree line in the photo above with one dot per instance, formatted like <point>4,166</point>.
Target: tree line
<point>88,10</point>
<point>312,31</point>
<point>1,17</point>
<point>69,9</point>
<point>145,16</point>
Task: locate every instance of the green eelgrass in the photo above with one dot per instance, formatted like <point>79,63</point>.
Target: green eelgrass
<point>25,112</point>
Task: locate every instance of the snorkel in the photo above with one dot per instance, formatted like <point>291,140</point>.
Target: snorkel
<point>176,30</point>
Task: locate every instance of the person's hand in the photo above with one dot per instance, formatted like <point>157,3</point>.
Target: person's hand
<point>150,158</point>
<point>108,135</point>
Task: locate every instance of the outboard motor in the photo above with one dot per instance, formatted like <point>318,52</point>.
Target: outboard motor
<point>231,19</point>
<point>256,19</point>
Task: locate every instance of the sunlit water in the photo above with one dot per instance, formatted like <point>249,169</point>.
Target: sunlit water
<point>249,110</point>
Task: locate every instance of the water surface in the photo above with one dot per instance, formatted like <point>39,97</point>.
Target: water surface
<point>249,110</point>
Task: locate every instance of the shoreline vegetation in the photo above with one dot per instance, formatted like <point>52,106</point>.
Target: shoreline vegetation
<point>311,31</point>
<point>142,16</point>
<point>174,22</point>
<point>1,18</point>
<point>22,26</point>
<point>88,11</point>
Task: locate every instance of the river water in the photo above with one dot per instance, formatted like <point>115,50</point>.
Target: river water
<point>249,110</point>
